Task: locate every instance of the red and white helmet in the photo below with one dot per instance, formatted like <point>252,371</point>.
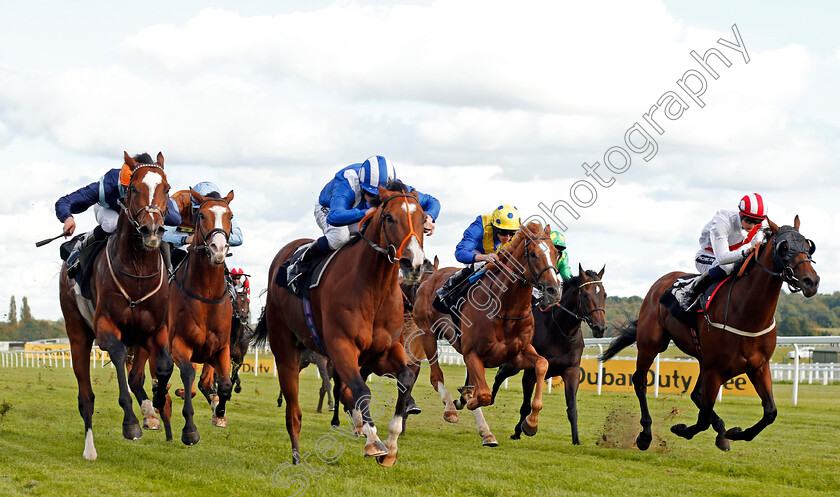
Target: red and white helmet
<point>237,270</point>
<point>753,205</point>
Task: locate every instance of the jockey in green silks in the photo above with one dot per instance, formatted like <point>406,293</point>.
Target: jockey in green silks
<point>559,242</point>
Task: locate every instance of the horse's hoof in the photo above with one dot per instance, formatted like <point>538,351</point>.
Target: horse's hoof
<point>515,436</point>
<point>458,404</point>
<point>473,404</point>
<point>527,429</point>
<point>387,460</point>
<point>576,442</point>
<point>489,441</point>
<point>722,443</point>
<point>237,389</point>
<point>413,409</point>
<point>179,393</point>
<point>643,441</point>
<point>190,437</point>
<point>319,411</point>
<point>734,433</point>
<point>220,422</point>
<point>376,449</point>
<point>151,424</point>
<point>132,431</point>
<point>450,416</point>
<point>680,430</point>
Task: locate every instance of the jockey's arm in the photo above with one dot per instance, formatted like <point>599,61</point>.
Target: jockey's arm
<point>76,202</point>
<point>173,215</point>
<point>342,211</point>
<point>720,246</point>
<point>471,241</point>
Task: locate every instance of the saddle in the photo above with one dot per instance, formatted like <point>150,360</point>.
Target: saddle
<point>689,318</point>
<point>86,257</point>
<point>310,273</point>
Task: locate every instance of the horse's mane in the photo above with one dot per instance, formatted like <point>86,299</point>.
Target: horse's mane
<point>143,158</point>
<point>392,186</point>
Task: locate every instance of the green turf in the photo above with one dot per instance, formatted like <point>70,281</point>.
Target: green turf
<point>41,442</point>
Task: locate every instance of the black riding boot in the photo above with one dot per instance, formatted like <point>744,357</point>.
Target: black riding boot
<point>73,261</point>
<point>687,295</point>
<point>312,252</point>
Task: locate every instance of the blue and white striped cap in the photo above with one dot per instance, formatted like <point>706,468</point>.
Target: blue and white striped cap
<point>376,171</point>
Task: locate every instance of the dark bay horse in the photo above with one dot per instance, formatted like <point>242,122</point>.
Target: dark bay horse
<point>358,312</point>
<point>736,335</point>
<point>128,300</point>
<point>240,335</point>
<point>558,336</point>
<point>497,324</point>
<point>200,311</point>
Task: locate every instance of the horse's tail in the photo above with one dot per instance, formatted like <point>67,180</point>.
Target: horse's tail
<point>626,337</point>
<point>261,333</point>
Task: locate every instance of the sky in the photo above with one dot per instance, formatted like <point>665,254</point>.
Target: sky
<point>593,116</point>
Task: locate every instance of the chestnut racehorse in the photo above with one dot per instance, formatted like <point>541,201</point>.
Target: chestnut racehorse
<point>128,300</point>
<point>558,336</point>
<point>357,309</point>
<point>497,324</point>
<point>200,310</point>
<point>737,334</point>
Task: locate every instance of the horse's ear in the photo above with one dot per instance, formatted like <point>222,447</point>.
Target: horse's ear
<point>796,222</point>
<point>160,159</point>
<point>199,198</point>
<point>229,197</point>
<point>437,262</point>
<point>384,193</point>
<point>131,163</point>
<point>601,273</point>
<point>548,228</point>
<point>773,226</point>
<point>581,272</point>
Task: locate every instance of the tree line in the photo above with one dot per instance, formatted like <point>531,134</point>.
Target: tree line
<point>795,316</point>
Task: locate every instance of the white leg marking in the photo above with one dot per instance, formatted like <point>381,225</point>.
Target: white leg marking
<point>480,423</point>
<point>90,450</point>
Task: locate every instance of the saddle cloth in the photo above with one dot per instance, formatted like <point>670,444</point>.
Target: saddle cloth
<point>310,276</point>
<point>688,318</point>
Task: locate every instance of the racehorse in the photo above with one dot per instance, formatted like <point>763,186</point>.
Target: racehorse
<point>497,324</point>
<point>558,336</point>
<point>200,310</point>
<point>735,334</point>
<point>128,300</point>
<point>357,310</point>
<point>240,335</point>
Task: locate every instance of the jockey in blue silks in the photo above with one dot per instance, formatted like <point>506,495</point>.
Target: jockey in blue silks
<point>346,199</point>
<point>104,195</point>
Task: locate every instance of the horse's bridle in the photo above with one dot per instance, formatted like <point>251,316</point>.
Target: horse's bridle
<point>150,209</point>
<point>580,317</point>
<point>786,274</point>
<point>206,236</point>
<point>397,251</point>
<point>536,276</point>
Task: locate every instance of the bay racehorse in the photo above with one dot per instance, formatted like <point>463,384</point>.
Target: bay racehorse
<point>200,310</point>
<point>357,309</point>
<point>128,300</point>
<point>736,334</point>
<point>558,336</point>
<point>240,334</point>
<point>497,324</point>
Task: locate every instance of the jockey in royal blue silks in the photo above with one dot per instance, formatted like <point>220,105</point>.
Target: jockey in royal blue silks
<point>346,199</point>
<point>104,195</point>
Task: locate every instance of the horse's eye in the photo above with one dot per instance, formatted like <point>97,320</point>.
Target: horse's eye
<point>388,217</point>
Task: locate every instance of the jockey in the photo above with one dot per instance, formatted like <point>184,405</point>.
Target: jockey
<point>105,196</point>
<point>563,268</point>
<point>723,243</point>
<point>180,236</point>
<point>482,240</point>
<point>241,283</point>
<point>346,199</point>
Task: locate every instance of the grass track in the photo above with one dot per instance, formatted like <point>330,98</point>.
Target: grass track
<point>41,442</point>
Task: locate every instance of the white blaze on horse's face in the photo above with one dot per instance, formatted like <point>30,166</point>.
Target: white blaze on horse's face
<point>547,252</point>
<point>410,208</point>
<point>218,244</point>
<point>417,255</point>
<point>152,179</point>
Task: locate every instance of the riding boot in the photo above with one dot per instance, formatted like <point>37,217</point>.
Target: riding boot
<point>687,295</point>
<point>443,298</point>
<point>73,261</point>
<point>311,252</point>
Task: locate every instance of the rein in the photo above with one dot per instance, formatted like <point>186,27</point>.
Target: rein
<point>132,303</point>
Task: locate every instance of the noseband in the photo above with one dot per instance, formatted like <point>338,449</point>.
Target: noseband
<point>392,252</point>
